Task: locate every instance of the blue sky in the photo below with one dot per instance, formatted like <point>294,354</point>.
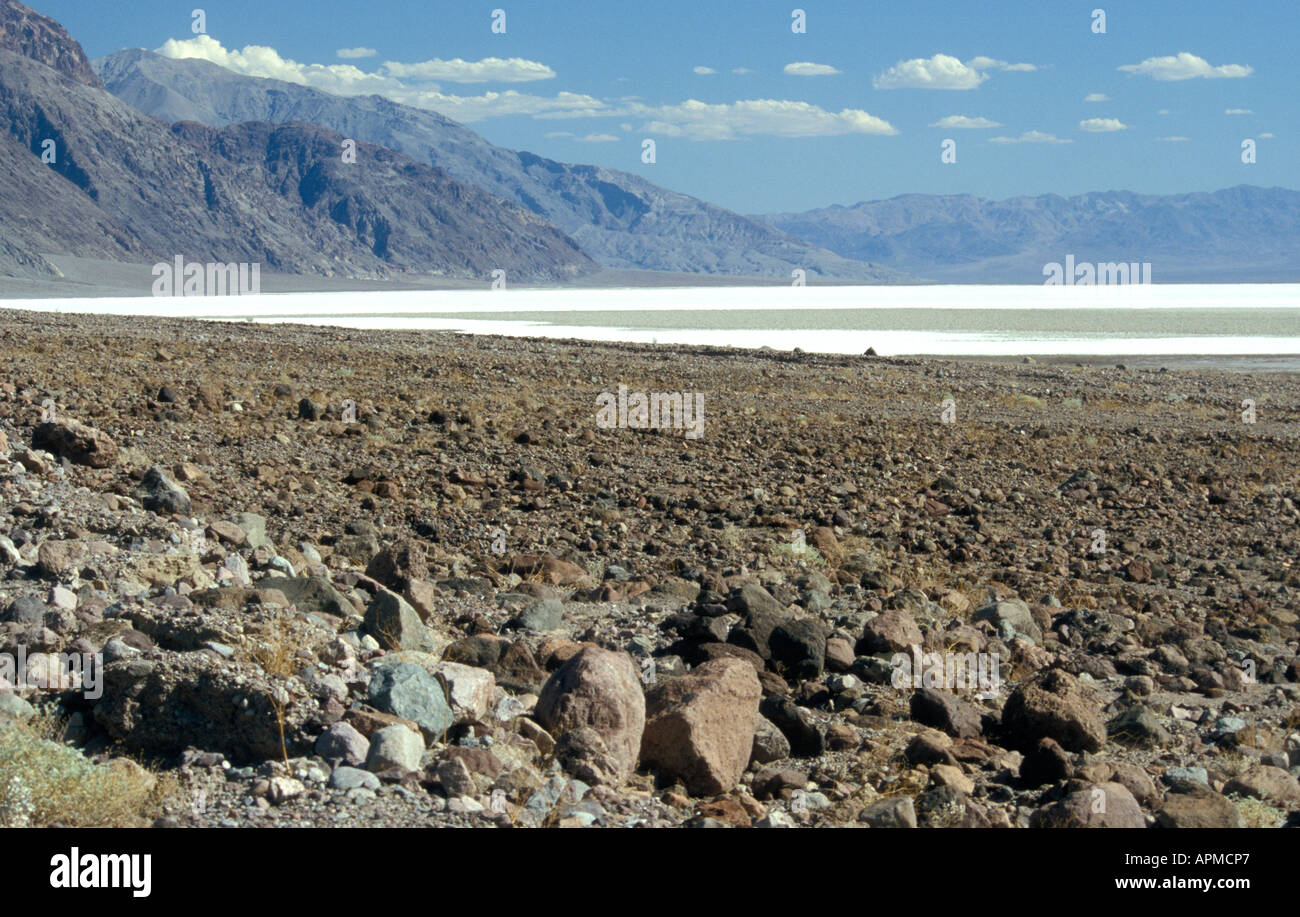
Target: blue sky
<point>853,109</point>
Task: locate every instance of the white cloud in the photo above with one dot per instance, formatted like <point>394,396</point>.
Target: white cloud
<point>590,138</point>
<point>1267,136</point>
<point>690,119</point>
<point>259,60</point>
<point>989,63</point>
<point>355,53</point>
<point>561,105</point>
<point>1172,139</point>
<point>1238,111</point>
<point>961,122</point>
<point>1102,125</point>
<point>1096,97</point>
<point>1163,111</point>
<point>938,72</point>
<point>742,71</point>
<point>697,120</point>
<point>1186,66</point>
<point>488,70</point>
<point>1030,137</point>
<point>347,80</point>
<point>704,71</point>
<point>803,68</point>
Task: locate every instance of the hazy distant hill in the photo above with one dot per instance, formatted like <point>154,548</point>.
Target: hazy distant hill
<point>620,219</point>
<point>125,186</point>
<point>1238,234</point>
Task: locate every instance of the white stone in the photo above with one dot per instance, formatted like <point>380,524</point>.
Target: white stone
<point>508,709</point>
<point>395,746</point>
<point>469,690</point>
<point>285,788</point>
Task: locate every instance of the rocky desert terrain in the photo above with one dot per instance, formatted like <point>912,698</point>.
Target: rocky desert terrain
<point>385,578</point>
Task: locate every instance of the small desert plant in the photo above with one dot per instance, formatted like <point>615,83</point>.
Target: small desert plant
<point>804,554</point>
<point>44,782</point>
<point>1256,813</point>
<point>277,657</point>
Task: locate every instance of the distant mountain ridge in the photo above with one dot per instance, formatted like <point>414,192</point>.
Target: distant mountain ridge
<point>1243,233</point>
<point>619,218</point>
<point>136,158</point>
<point>125,186</point>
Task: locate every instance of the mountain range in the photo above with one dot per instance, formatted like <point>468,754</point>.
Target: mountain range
<point>1234,235</point>
<point>121,185</point>
<point>620,219</point>
<point>138,158</point>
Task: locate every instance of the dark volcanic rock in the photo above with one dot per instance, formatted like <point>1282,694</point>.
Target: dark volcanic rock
<point>806,740</point>
<point>798,646</point>
<point>161,494</point>
<point>1047,762</point>
<point>164,705</point>
<point>947,712</point>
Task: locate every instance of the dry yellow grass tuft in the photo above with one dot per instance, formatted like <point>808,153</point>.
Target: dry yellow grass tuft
<point>44,782</point>
<point>277,656</point>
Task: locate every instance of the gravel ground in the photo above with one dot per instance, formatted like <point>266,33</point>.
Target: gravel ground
<point>317,526</point>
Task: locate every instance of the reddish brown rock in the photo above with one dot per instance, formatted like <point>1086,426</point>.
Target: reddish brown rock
<point>700,727</point>
<point>78,443</point>
<point>1197,806</point>
<point>1271,784</point>
<point>600,689</point>
<point>549,569</point>
<point>1057,706</point>
<point>1105,805</point>
<point>728,811</point>
<point>399,565</point>
<point>891,631</point>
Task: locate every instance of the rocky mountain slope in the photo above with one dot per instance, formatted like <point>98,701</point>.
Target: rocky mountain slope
<point>124,185</point>
<point>42,39</point>
<point>620,219</point>
<point>1234,235</point>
